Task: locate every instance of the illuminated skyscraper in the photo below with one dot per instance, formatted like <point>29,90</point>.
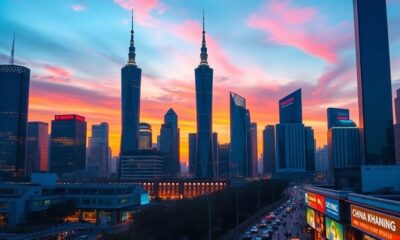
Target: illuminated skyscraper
<point>68,144</point>
<point>37,147</point>
<point>205,162</point>
<point>374,82</point>
<point>131,76</point>
<point>14,95</point>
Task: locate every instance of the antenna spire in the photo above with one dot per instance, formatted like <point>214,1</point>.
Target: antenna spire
<point>132,53</point>
<point>203,54</point>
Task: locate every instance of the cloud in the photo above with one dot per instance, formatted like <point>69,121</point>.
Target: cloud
<point>301,27</point>
<point>78,7</point>
<point>143,10</point>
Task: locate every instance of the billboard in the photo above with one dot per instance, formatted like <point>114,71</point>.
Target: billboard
<point>332,208</point>
<point>310,217</point>
<point>378,224</point>
<point>334,230</point>
<point>319,222</point>
<point>290,108</point>
<point>315,201</point>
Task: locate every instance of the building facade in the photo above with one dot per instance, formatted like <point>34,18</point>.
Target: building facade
<point>145,164</point>
<point>170,144</point>
<point>240,133</point>
<point>131,76</point>
<point>14,92</point>
<point>145,136</point>
<point>397,126</point>
<point>192,153</point>
<point>99,159</point>
<point>268,149</point>
<point>337,114</point>
<point>310,149</point>
<point>254,151</point>
<point>223,160</point>
<point>68,144</point>
<point>374,82</point>
<point>37,147</point>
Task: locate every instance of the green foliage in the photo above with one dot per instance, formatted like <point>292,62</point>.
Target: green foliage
<point>188,219</point>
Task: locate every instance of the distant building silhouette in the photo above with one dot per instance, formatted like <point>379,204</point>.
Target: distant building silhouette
<point>169,143</point>
<point>374,82</point>
<point>205,162</point>
<point>145,136</point>
<point>68,144</point>
<point>131,76</point>
<point>99,150</point>
<point>14,92</point>
<point>240,152</point>
<point>310,149</point>
<point>37,147</point>
<point>254,152</point>
<point>223,160</point>
<point>268,149</point>
<point>192,153</point>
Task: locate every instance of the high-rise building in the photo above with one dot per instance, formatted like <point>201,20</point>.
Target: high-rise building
<point>344,145</point>
<point>337,114</point>
<point>321,159</point>
<point>223,160</point>
<point>145,136</point>
<point>169,143</point>
<point>99,159</point>
<point>142,165</point>
<point>374,82</point>
<point>397,126</point>
<point>192,154</point>
<point>254,152</point>
<point>131,76</point>
<point>290,143</point>
<point>37,147</point>
<point>215,153</point>
<point>205,162</point>
<point>310,149</point>
<point>269,149</point>
<point>14,92</point>
<point>68,144</point>
<point>290,108</point>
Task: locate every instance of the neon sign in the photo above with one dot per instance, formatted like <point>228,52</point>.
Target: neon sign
<point>287,102</point>
<point>69,117</point>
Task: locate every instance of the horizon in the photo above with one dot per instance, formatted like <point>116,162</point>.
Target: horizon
<point>168,41</point>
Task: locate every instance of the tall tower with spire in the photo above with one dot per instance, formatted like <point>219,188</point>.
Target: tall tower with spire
<point>14,92</point>
<point>131,76</point>
<point>205,166</point>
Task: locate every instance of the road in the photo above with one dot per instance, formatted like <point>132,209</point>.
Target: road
<point>292,221</point>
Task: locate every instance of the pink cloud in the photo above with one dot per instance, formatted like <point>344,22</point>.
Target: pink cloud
<point>78,7</point>
<point>143,10</point>
<point>301,27</point>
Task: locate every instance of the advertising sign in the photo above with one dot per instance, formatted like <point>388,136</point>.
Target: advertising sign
<point>315,201</point>
<point>378,224</point>
<point>310,217</point>
<point>332,208</point>
<point>319,222</point>
<point>334,230</point>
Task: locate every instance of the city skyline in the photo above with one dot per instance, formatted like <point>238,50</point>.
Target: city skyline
<point>67,80</point>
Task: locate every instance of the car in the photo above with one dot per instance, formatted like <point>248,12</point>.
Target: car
<point>246,237</point>
<point>278,222</point>
<point>254,229</point>
<point>265,237</point>
<point>258,238</point>
<point>262,224</point>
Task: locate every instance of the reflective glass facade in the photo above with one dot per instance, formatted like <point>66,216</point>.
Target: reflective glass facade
<point>290,108</point>
<point>37,147</point>
<point>337,114</point>
<point>374,82</point>
<point>169,143</point>
<point>269,149</point>
<point>14,92</point>
<point>68,144</point>
<point>99,150</point>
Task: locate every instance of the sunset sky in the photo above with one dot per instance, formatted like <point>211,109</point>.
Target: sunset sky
<point>262,50</point>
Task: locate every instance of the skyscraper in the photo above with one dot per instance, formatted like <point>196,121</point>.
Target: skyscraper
<point>269,149</point>
<point>240,152</point>
<point>223,160</point>
<point>337,114</point>
<point>192,153</point>
<point>374,82</point>
<point>145,136</point>
<point>14,92</point>
<point>254,152</point>
<point>397,126</point>
<point>290,135</point>
<point>205,162</point>
<point>68,144</point>
<point>99,150</point>
<point>131,76</point>
<point>310,149</point>
<point>37,147</point>
<point>169,143</point>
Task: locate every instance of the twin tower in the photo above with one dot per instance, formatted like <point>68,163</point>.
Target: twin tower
<point>131,76</point>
